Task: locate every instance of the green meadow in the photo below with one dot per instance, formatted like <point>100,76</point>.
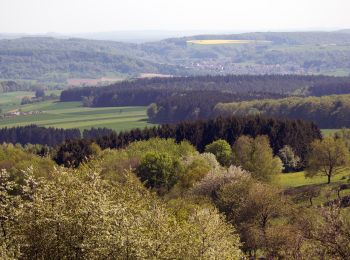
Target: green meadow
<point>329,132</point>
<point>11,100</point>
<point>73,115</point>
<point>298,179</point>
<point>298,183</point>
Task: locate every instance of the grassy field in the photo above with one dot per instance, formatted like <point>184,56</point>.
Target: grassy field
<point>297,183</point>
<point>287,180</point>
<point>217,42</point>
<point>74,115</point>
<point>12,100</point>
<point>329,132</point>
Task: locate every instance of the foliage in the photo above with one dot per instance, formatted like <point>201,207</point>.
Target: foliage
<point>37,135</point>
<point>78,215</point>
<point>74,152</point>
<point>327,157</point>
<point>291,162</point>
<point>256,156</point>
<point>222,151</point>
<point>298,134</point>
<point>158,171</point>
<point>212,182</point>
<point>39,93</point>
<point>327,232</point>
<point>152,110</point>
<point>252,208</point>
<point>343,134</point>
<point>16,160</point>
<point>195,169</point>
<point>102,208</point>
<point>325,111</point>
<point>176,150</point>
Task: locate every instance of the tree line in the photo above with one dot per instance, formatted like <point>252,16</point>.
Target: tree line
<point>279,84</point>
<point>12,86</point>
<point>194,105</point>
<point>50,136</point>
<point>325,111</point>
<point>37,135</point>
<point>294,133</point>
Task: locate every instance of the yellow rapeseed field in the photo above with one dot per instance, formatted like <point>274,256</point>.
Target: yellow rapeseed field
<point>213,42</point>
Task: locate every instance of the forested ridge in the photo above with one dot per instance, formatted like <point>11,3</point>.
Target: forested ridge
<point>326,112</point>
<point>56,60</point>
<point>33,134</point>
<point>12,86</point>
<point>46,59</point>
<point>191,98</point>
<point>279,84</point>
<point>295,133</point>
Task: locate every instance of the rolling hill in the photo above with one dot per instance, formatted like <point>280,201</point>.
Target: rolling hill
<point>47,59</point>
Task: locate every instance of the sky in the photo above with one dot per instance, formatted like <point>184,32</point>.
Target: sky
<point>83,16</point>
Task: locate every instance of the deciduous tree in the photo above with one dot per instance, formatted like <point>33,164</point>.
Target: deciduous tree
<point>327,157</point>
<point>222,151</point>
<point>256,156</point>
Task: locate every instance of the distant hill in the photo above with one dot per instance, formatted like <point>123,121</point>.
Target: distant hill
<point>49,59</point>
<point>292,38</point>
<point>55,60</point>
<point>344,31</point>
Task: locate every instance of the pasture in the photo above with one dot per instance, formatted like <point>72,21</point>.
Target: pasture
<point>219,42</point>
<point>297,179</point>
<point>297,186</point>
<point>329,132</point>
<point>11,100</point>
<point>74,115</point>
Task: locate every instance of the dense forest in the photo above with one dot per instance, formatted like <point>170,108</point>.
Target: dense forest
<point>327,89</point>
<point>279,84</point>
<point>37,135</point>
<point>326,112</point>
<point>162,199</point>
<point>194,105</point>
<point>191,98</point>
<point>50,136</point>
<point>294,133</point>
<point>12,86</point>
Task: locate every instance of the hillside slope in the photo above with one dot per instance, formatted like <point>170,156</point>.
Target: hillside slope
<point>56,60</point>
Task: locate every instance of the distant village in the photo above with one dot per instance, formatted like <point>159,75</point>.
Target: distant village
<point>17,112</point>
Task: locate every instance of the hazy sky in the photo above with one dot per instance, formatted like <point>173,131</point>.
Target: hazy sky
<point>72,16</point>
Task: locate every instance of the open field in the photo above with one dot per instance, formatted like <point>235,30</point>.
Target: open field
<point>73,115</point>
<point>12,100</point>
<point>92,82</point>
<point>154,75</point>
<point>217,42</point>
<point>298,179</point>
<point>329,132</point>
<point>296,183</point>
